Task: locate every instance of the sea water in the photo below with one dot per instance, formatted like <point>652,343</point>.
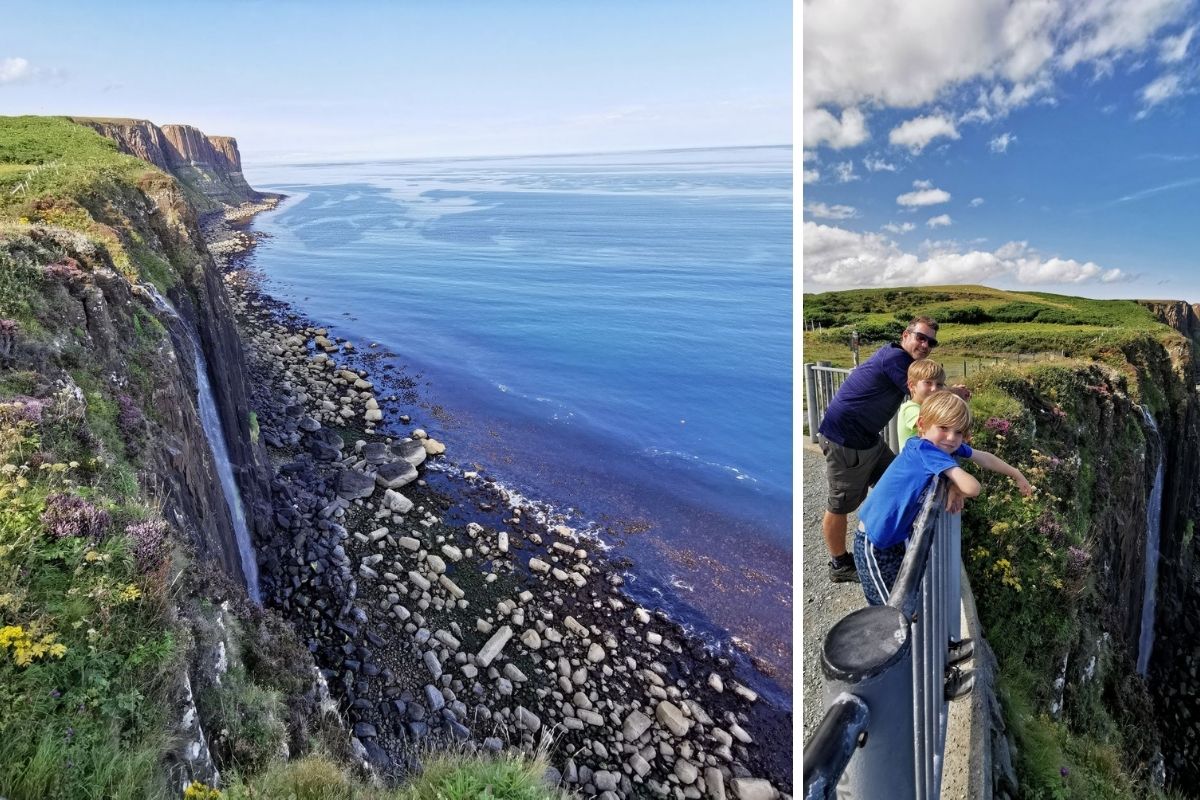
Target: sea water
<point>607,334</point>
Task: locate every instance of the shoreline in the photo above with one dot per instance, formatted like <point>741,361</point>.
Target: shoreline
<point>464,521</point>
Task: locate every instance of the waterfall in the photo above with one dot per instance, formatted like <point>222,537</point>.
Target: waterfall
<point>210,419</point>
<point>1153,522</point>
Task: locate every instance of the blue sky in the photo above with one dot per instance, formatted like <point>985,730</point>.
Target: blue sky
<point>316,80</point>
<point>1038,144</point>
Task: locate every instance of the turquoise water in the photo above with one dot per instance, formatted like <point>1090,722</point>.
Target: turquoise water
<point>608,334</point>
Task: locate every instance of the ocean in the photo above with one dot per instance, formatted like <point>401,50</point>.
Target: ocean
<point>608,336</point>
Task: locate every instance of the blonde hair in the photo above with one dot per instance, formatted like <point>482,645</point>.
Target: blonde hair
<point>925,370</point>
<point>945,408</point>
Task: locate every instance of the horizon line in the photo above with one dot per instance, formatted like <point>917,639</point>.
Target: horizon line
<point>374,160</point>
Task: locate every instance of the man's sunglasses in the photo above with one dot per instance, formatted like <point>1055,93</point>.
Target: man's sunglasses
<point>926,339</point>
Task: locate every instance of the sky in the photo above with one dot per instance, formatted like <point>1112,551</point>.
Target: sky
<point>310,81</point>
<point>1040,145</point>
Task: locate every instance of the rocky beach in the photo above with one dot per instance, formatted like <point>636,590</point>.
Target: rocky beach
<point>439,607</point>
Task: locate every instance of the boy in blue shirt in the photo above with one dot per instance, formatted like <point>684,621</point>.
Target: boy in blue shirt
<point>887,517</point>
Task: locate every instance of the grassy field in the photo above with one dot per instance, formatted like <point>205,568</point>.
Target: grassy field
<point>978,324</point>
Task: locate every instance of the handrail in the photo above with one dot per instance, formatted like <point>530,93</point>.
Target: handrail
<point>834,742</point>
<point>821,383</point>
<point>892,659</point>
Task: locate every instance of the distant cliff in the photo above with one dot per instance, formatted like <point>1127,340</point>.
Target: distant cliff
<point>209,167</point>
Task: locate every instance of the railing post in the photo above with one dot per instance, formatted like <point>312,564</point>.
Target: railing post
<point>869,654</point>
<point>810,390</point>
<point>953,539</point>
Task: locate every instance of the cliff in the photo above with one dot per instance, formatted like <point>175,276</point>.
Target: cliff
<point>210,167</point>
<point>123,613</point>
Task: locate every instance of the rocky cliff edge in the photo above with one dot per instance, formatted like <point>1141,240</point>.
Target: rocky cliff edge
<point>209,167</point>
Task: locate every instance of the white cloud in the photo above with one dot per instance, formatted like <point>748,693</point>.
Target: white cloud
<point>1107,29</point>
<point>14,69</point>
<point>1173,49</point>
<point>976,202</point>
<point>1011,250</point>
<point>835,258</point>
<point>916,133</point>
<point>999,144</point>
<point>821,127</point>
<point>987,56</point>
<point>903,227</point>
<point>822,211</point>
<point>845,172</point>
<point>940,221</point>
<point>874,164</point>
<point>1159,91</point>
<point>811,176</point>
<point>925,195</point>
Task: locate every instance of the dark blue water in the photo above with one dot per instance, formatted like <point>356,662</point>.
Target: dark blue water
<point>608,334</point>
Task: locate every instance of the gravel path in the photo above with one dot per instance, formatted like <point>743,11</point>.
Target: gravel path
<point>824,603</point>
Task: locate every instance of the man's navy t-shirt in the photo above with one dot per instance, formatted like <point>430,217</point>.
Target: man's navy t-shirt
<point>868,399</point>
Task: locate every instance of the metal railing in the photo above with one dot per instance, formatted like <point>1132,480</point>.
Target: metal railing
<point>821,383</point>
<point>884,729</point>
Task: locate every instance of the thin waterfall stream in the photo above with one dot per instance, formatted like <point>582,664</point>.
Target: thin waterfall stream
<point>1153,525</point>
<point>210,419</point>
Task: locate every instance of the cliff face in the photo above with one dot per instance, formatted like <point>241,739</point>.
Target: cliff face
<point>101,324</point>
<point>210,167</point>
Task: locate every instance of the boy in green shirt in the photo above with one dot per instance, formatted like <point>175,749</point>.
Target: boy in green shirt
<point>924,378</point>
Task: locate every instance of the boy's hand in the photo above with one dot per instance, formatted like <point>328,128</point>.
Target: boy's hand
<point>1023,485</point>
<point>955,500</point>
<point>961,390</point>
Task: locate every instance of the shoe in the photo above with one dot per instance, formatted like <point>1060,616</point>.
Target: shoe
<point>845,572</point>
<point>959,683</point>
<point>959,651</point>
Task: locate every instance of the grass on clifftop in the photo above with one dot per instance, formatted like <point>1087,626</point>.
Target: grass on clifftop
<point>52,156</point>
<point>976,322</point>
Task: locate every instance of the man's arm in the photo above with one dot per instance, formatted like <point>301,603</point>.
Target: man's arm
<point>995,464</point>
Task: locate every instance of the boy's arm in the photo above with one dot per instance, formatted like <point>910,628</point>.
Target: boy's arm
<point>962,486</point>
<point>995,464</point>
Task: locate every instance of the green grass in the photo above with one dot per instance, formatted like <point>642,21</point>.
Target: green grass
<point>446,777</point>
<point>54,156</point>
<point>976,322</point>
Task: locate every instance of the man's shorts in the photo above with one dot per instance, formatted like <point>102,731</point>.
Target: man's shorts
<point>877,567</point>
<point>852,472</point>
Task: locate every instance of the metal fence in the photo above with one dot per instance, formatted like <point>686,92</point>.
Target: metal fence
<point>821,383</point>
<point>884,729</point>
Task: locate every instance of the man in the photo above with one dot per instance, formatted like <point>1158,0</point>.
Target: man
<point>855,454</point>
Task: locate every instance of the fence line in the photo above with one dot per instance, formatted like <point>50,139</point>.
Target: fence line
<point>884,730</point>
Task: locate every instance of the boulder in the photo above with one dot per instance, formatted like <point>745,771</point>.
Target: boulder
<point>527,719</point>
<point>375,453</point>
<point>493,646</point>
<point>411,451</point>
<point>671,717</point>
<point>353,484</point>
<point>753,789</point>
<point>635,725</point>
<point>396,502</point>
<point>395,474</point>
